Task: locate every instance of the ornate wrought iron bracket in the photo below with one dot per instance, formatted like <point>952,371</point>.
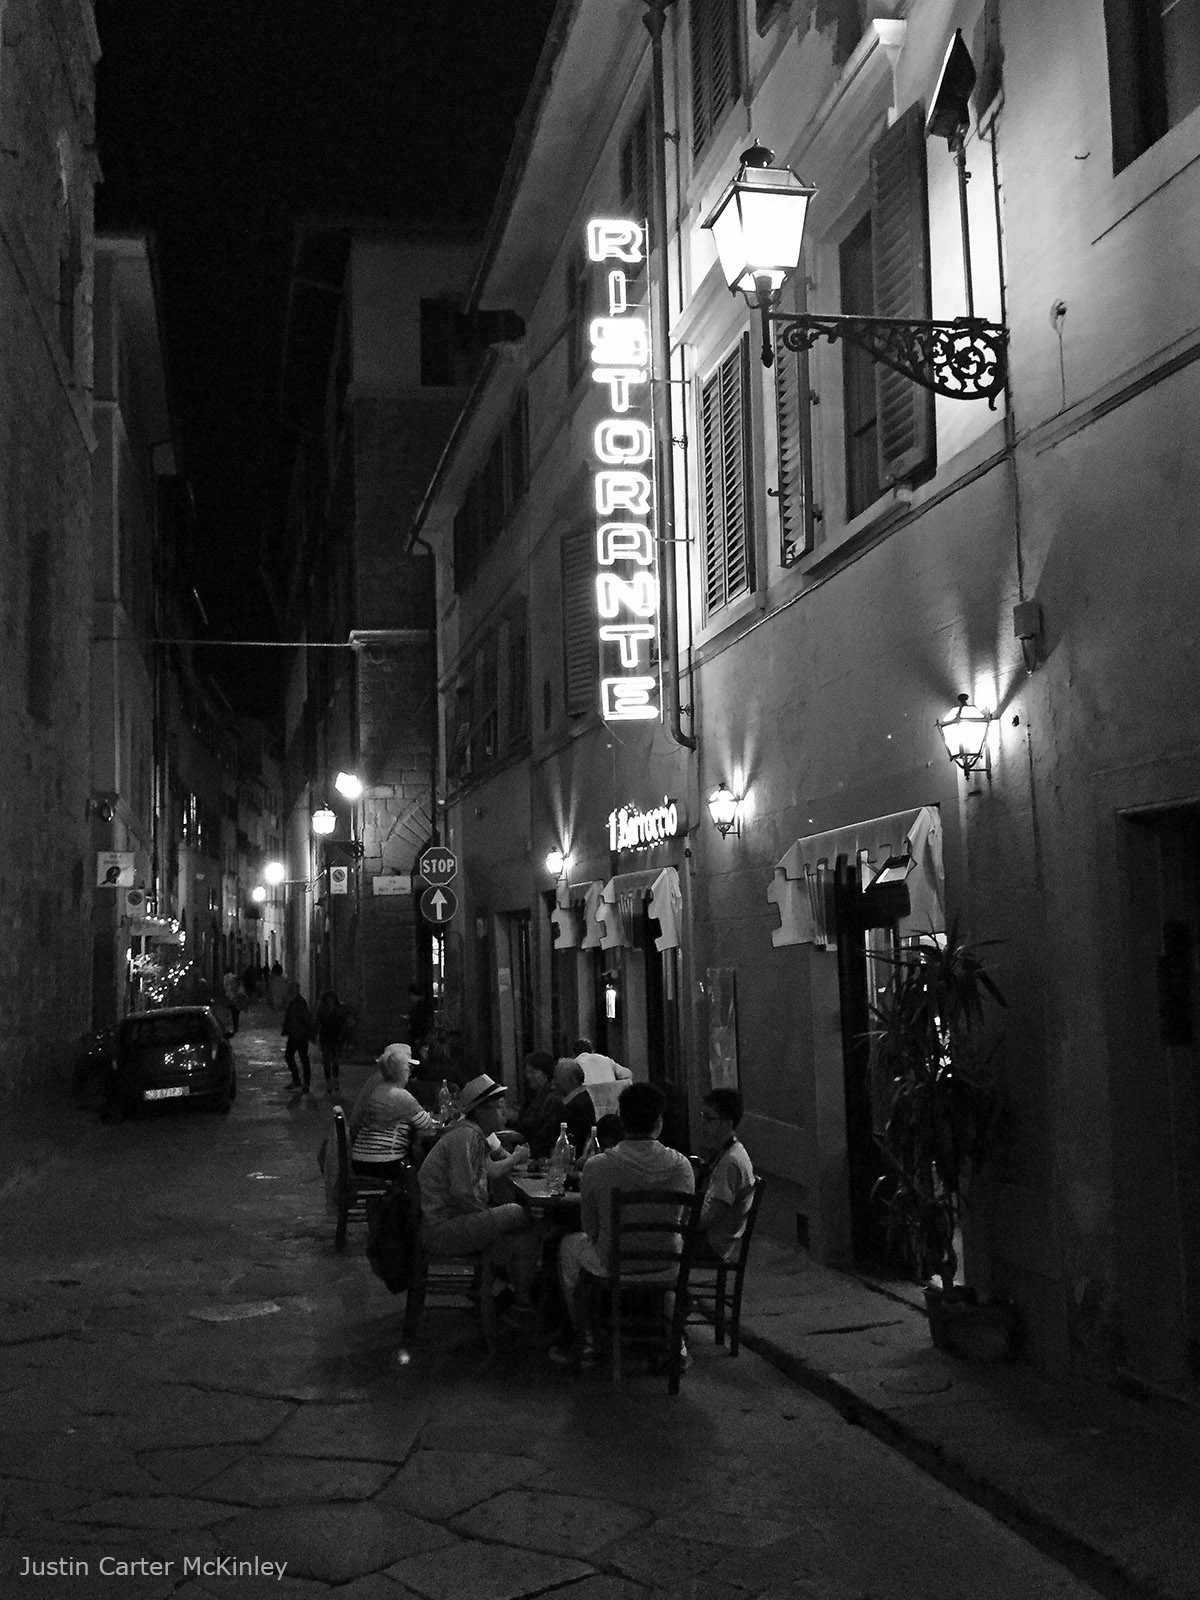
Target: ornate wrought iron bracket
<point>966,359</point>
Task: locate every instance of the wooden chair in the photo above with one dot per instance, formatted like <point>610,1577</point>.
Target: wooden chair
<point>647,1285</point>
<point>453,1281</point>
<point>351,1190</point>
<point>709,1280</point>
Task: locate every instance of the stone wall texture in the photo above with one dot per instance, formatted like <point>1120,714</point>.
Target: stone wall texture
<point>47,860</point>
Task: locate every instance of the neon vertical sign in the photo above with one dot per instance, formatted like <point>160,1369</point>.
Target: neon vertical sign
<point>627,593</point>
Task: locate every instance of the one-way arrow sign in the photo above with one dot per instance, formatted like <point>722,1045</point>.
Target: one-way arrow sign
<point>438,905</point>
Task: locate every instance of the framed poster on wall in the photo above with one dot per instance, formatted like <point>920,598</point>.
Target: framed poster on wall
<point>722,1028</point>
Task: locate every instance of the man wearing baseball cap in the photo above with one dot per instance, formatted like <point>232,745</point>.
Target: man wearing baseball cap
<point>457,1217</point>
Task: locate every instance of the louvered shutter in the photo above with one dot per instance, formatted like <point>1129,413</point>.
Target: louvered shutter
<point>635,165</point>
<point>716,65</point>
<point>900,271</point>
<point>728,548</point>
<point>793,422</point>
<point>581,649</point>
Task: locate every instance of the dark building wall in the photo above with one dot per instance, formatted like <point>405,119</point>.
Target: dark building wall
<point>47,859</point>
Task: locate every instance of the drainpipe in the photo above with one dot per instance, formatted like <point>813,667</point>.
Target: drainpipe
<point>660,321</point>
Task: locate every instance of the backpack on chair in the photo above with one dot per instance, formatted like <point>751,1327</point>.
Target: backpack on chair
<point>390,1236</point>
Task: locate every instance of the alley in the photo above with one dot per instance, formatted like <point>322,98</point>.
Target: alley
<point>191,1376</point>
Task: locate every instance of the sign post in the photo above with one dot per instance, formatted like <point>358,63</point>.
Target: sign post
<point>438,905</point>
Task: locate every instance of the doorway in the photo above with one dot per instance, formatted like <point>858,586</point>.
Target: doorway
<point>1156,1102</point>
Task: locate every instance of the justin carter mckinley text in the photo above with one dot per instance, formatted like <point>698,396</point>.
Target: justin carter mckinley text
<point>145,1567</point>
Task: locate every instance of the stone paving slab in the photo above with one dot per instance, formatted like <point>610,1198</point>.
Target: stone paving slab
<point>260,1480</point>
<point>443,1483</point>
<point>374,1431</point>
<point>485,1572</point>
<point>335,1543</point>
<point>560,1524</point>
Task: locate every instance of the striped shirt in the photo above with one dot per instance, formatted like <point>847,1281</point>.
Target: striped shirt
<point>388,1121</point>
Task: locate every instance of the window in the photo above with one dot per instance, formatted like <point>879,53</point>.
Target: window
<point>884,271</point>
<point>716,65</point>
<point>635,164</point>
<point>724,457</point>
<point>518,683</point>
<point>483,738</point>
<point>581,650</point>
<point>858,375</point>
<point>793,422</point>
<point>1153,70</point>
<point>491,493</point>
<point>439,343</point>
<point>578,310</point>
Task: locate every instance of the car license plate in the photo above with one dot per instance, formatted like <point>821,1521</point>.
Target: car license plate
<point>166,1094</point>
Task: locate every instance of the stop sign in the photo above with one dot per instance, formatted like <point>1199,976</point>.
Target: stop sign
<point>436,864</point>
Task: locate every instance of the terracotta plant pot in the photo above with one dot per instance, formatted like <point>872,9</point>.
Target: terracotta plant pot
<point>962,1327</point>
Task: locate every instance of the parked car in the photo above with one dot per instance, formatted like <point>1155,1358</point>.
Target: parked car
<point>176,1053</point>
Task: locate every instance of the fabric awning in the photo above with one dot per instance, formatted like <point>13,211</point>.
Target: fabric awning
<point>571,914</point>
<point>622,897</point>
<point>801,888</point>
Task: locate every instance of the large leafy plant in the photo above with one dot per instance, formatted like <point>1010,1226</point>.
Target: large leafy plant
<point>928,1038</point>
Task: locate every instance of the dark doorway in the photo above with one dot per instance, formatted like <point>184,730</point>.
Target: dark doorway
<point>662,1030</point>
<point>1156,1104</point>
<point>866,923</point>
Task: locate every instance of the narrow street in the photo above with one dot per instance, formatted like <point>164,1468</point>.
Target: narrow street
<point>193,1380</point>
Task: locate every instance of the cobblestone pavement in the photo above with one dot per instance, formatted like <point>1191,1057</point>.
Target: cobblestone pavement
<point>198,1397</point>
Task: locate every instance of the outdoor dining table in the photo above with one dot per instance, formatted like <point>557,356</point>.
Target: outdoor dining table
<point>562,1211</point>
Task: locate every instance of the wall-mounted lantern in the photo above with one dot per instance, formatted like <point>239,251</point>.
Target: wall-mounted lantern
<point>323,821</point>
<point>725,808</point>
<point>965,731</point>
<point>559,863</point>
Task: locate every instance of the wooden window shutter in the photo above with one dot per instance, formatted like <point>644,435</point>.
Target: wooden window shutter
<point>793,423</point>
<point>716,65</point>
<point>724,432</point>
<point>900,271</point>
<point>581,649</point>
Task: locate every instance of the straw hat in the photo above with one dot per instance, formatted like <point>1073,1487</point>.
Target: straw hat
<point>400,1054</point>
<point>477,1091</point>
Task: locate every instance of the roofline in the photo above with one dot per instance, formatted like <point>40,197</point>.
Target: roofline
<point>518,156</point>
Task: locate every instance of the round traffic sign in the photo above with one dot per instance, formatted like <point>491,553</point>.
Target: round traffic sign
<point>438,904</point>
<point>436,864</point>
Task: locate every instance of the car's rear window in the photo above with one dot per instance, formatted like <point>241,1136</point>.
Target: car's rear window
<point>168,1030</point>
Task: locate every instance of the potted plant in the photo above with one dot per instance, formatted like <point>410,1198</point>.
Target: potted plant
<point>943,1100</point>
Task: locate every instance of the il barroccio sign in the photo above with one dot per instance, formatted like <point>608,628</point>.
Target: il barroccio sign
<point>631,829</point>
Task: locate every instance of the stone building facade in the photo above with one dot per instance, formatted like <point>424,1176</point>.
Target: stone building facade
<point>48,840</point>
<point>844,563</point>
<point>373,379</point>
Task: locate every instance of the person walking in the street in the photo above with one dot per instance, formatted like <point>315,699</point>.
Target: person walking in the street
<point>234,998</point>
<point>329,1021</point>
<point>297,1030</point>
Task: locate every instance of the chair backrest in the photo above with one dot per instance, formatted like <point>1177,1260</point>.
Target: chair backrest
<point>648,1230</point>
<point>341,1138</point>
<point>743,1239</point>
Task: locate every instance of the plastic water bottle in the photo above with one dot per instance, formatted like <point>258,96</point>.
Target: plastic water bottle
<point>445,1103</point>
<point>591,1148</point>
<point>560,1162</point>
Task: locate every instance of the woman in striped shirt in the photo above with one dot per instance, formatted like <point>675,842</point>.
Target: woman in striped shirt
<point>386,1117</point>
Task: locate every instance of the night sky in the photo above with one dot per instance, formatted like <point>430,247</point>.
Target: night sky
<point>223,121</point>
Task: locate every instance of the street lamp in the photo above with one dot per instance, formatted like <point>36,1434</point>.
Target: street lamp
<point>725,808</point>
<point>349,785</point>
<point>274,872</point>
<point>965,731</point>
<point>558,863</point>
<point>758,227</point>
<point>323,821</point>
<point>258,894</point>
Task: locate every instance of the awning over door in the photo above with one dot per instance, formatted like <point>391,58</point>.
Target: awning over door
<point>574,916</point>
<point>802,885</point>
<point>622,898</point>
